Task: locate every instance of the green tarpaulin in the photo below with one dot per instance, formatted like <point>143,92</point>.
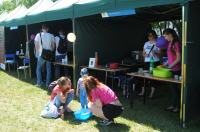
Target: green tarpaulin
<point>46,10</point>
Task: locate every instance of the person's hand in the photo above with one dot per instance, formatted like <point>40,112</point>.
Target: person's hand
<point>145,54</point>
<point>169,67</point>
<point>70,90</point>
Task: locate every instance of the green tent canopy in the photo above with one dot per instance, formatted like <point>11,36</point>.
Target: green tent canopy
<point>37,15</point>
<point>46,10</point>
<point>124,4</point>
<point>62,9</point>
<point>92,7</point>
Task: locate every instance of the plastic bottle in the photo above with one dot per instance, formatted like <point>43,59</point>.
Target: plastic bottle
<point>21,50</point>
<point>66,59</point>
<point>151,65</point>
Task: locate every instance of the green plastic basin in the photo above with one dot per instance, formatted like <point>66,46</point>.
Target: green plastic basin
<point>162,72</point>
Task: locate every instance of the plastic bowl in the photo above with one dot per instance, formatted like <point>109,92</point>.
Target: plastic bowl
<point>83,114</point>
<point>162,72</point>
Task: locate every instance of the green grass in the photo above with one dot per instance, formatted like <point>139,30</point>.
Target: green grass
<point>21,104</point>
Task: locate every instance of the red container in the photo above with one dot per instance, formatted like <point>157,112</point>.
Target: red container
<point>114,65</point>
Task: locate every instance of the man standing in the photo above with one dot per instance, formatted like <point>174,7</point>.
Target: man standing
<point>61,52</point>
<point>43,41</point>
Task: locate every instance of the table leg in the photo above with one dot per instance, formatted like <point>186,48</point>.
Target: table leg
<point>144,96</point>
<point>113,79</point>
<point>106,77</point>
<point>131,92</point>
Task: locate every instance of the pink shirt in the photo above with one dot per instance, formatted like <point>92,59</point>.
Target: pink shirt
<point>56,90</point>
<point>172,56</point>
<point>104,94</point>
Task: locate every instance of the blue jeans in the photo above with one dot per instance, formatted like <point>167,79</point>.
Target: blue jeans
<point>40,63</point>
<point>83,98</point>
<point>57,102</point>
<point>59,58</point>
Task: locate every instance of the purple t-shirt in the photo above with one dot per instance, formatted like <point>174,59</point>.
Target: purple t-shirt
<point>172,56</point>
<point>104,94</point>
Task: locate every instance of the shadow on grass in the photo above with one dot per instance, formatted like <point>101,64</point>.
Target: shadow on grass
<point>118,127</point>
<point>152,113</point>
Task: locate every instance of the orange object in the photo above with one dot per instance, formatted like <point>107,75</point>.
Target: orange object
<point>96,59</point>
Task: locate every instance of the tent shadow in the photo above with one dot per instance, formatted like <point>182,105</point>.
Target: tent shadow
<point>151,114</point>
<point>115,126</point>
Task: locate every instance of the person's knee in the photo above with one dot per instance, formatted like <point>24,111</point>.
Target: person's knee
<point>71,93</point>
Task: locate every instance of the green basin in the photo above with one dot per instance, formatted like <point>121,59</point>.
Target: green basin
<point>162,72</point>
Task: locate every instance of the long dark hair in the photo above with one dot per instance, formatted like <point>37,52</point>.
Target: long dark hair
<point>153,33</point>
<point>90,83</point>
<point>175,38</point>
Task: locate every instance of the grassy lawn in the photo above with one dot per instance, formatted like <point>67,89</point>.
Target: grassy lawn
<point>21,104</point>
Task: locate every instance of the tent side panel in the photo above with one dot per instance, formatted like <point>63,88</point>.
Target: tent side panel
<point>192,61</point>
<point>112,38</point>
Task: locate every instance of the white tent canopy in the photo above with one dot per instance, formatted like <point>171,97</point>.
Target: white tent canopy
<point>18,12</point>
<point>13,13</point>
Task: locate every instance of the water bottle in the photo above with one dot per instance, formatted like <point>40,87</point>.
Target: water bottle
<point>66,59</point>
<point>151,65</point>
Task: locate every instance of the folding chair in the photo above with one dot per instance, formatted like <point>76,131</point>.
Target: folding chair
<point>25,67</point>
<point>10,60</point>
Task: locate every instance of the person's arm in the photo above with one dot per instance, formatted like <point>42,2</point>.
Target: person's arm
<point>37,43</point>
<point>144,53</point>
<point>178,59</point>
<point>53,44</point>
<point>62,97</point>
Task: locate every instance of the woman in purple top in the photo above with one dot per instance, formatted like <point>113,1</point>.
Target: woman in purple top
<point>174,63</point>
<point>102,101</point>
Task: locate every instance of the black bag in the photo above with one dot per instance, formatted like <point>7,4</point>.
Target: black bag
<point>47,54</point>
<point>62,46</point>
<point>52,85</point>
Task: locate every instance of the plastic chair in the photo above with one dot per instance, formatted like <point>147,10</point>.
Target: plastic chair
<point>25,67</point>
<point>10,60</point>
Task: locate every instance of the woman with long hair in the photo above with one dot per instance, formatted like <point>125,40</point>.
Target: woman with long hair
<point>174,63</point>
<point>103,102</point>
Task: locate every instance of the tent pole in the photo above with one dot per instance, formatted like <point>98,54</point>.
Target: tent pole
<point>27,41</point>
<point>27,47</point>
<point>74,50</point>
<point>183,85</point>
<point>27,33</point>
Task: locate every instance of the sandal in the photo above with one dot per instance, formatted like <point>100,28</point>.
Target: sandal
<point>170,108</point>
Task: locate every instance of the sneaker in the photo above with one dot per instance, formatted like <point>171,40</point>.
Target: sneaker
<point>37,85</point>
<point>106,122</point>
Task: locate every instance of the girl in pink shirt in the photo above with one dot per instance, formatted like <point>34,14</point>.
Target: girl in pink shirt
<point>103,101</point>
<point>174,63</point>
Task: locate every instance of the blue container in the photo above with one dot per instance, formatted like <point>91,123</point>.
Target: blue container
<point>83,114</point>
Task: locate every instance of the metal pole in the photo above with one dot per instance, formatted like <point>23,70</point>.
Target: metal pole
<point>183,85</point>
<point>74,56</point>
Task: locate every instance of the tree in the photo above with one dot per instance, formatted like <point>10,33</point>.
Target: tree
<point>12,4</point>
<point>159,27</point>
